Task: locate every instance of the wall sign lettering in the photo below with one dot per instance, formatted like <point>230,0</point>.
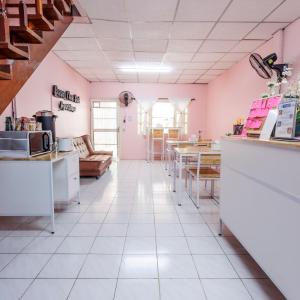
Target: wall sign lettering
<point>65,95</point>
<point>66,106</point>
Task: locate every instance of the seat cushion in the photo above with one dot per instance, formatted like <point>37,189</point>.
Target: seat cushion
<point>98,157</point>
<point>81,147</point>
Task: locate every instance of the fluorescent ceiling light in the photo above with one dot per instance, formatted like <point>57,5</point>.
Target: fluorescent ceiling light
<point>146,69</point>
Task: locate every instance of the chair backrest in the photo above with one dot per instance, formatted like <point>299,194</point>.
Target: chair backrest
<point>81,147</point>
<point>174,133</point>
<point>206,161</point>
<point>157,133</point>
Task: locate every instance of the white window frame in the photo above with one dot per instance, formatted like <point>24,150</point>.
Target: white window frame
<point>141,118</point>
<point>92,130</point>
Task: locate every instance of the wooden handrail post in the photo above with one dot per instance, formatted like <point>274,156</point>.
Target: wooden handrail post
<point>39,7</point>
<point>4,26</point>
<point>23,13</point>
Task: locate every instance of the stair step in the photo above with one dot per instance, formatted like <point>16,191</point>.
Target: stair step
<point>23,34</point>
<point>38,22</point>
<point>63,6</point>
<point>9,51</point>
<point>51,12</point>
<point>5,72</point>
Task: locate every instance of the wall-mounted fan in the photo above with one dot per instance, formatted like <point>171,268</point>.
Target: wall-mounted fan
<point>264,66</point>
<point>126,98</point>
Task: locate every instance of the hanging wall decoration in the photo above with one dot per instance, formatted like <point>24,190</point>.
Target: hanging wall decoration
<point>65,95</point>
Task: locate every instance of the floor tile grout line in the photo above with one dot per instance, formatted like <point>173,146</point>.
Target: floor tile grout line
<point>157,258</point>
<point>86,257</point>
<point>119,270</point>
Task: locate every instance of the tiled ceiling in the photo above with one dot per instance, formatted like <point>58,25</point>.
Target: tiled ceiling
<point>197,39</point>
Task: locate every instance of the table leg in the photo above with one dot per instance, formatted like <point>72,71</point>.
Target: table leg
<point>179,196</point>
<point>51,198</point>
<point>174,174</point>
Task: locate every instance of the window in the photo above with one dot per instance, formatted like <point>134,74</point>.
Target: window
<point>162,114</point>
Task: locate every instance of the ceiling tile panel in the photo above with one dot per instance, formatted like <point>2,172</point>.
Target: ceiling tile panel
<point>223,65</point>
<point>265,30</point>
<point>77,44</point>
<point>199,65</point>
<point>154,10</point>
<point>80,55</point>
<point>107,10</point>
<point>211,56</point>
<point>184,45</point>
<point>168,80</point>
<point>193,72</point>
<point>231,31</point>
<point>79,30</point>
<point>204,10</point>
<point>87,63</point>
<point>118,55</point>
<point>153,30</point>
<point>150,45</point>
<point>214,72</point>
<point>110,29</point>
<point>234,57</point>
<point>247,46</point>
<point>286,12</point>
<point>115,44</point>
<point>148,56</point>
<point>249,10</point>
<point>189,77</point>
<point>178,57</point>
<point>151,78</point>
<point>190,30</point>
<point>217,46</point>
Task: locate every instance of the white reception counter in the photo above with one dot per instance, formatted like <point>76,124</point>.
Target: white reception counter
<point>260,203</point>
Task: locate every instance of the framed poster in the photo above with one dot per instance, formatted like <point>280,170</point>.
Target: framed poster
<point>286,121</point>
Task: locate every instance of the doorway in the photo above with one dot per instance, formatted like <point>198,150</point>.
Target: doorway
<point>105,125</point>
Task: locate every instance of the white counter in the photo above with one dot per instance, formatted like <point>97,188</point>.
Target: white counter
<point>31,186</point>
<point>260,203</point>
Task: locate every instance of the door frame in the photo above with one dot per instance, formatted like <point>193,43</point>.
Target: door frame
<point>118,122</point>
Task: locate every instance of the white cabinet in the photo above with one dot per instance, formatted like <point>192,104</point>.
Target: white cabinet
<point>66,178</point>
<point>31,186</point>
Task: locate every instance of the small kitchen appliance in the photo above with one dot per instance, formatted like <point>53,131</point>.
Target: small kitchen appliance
<point>25,144</point>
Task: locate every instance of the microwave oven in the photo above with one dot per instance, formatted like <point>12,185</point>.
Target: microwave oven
<point>22,144</point>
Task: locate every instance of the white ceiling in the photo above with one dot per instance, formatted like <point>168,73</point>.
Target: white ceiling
<point>198,39</point>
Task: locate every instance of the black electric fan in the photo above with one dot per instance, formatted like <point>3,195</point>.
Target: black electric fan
<point>126,98</point>
<point>264,66</point>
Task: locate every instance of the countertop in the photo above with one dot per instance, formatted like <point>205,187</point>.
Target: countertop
<point>277,143</point>
<point>53,156</point>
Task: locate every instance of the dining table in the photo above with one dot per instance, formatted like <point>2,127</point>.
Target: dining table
<point>181,156</point>
<point>171,144</point>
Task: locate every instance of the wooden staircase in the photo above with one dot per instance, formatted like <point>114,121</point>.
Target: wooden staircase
<point>28,31</point>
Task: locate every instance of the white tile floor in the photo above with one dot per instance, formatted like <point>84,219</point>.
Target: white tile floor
<point>128,240</point>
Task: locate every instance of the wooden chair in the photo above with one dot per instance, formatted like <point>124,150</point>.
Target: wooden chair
<point>157,135</point>
<point>206,169</point>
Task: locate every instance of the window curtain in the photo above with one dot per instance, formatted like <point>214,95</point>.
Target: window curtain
<point>180,106</point>
<point>146,106</point>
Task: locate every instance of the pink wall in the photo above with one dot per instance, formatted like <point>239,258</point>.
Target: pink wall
<point>36,95</point>
<point>133,146</point>
<point>229,96</point>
